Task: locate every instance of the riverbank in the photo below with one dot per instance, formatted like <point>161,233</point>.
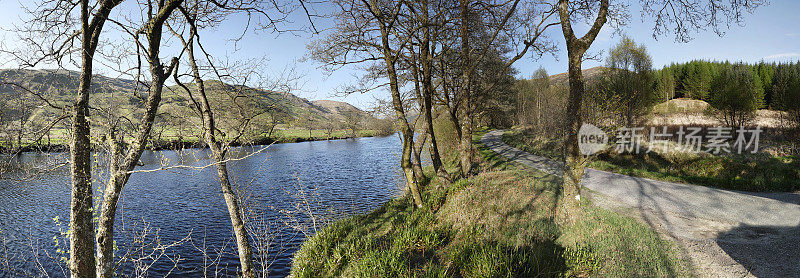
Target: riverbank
<point>499,223</point>
<point>289,136</point>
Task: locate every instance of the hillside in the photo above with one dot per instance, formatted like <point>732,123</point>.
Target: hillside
<point>339,110</point>
<point>61,86</point>
<point>588,75</point>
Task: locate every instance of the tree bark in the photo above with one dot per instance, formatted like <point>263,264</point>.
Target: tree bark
<point>574,163</point>
<point>407,132</point>
<point>82,261</point>
<point>231,199</point>
<point>428,90</point>
<point>235,211</point>
<point>422,137</point>
<point>82,245</point>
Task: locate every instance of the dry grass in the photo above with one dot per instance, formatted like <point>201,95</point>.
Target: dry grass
<point>692,112</point>
<point>761,171</point>
<point>510,205</point>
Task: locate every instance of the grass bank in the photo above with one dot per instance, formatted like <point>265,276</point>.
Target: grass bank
<point>747,172</point>
<point>172,142</point>
<point>499,223</point>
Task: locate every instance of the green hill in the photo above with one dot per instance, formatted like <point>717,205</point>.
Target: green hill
<point>120,102</point>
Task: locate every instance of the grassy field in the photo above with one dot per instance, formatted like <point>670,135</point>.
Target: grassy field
<point>499,223</point>
<point>294,134</point>
<point>751,172</point>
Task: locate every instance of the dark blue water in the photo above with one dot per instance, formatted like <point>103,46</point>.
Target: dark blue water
<point>184,210</point>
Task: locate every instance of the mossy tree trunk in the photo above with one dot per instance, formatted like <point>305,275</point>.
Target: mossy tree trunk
<point>82,261</point>
<point>121,167</point>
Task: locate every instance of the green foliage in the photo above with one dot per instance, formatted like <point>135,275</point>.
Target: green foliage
<point>665,84</point>
<point>628,81</point>
<point>697,81</point>
<point>693,79</point>
<point>581,259</point>
<point>736,93</point>
<point>786,91</point>
<point>611,245</point>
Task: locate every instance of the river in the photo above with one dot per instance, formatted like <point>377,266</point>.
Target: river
<point>184,207</point>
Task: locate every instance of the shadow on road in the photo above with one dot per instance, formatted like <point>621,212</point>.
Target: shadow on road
<point>763,250</point>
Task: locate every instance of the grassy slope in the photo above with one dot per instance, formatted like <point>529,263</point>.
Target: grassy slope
<point>496,224</point>
<point>115,93</point>
<point>759,172</point>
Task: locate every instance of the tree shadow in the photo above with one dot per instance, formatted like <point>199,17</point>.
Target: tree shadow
<point>765,251</point>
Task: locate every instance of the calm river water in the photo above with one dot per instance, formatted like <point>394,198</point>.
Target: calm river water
<point>184,206</point>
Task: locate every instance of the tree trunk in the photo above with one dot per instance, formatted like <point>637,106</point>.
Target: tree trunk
<point>82,261</point>
<point>428,90</point>
<point>121,171</point>
<point>466,94</point>
<point>406,165</point>
<point>271,129</point>
<point>418,146</point>
<point>235,211</point>
<point>397,103</point>
<point>82,248</point>
<point>20,132</point>
<point>574,163</point>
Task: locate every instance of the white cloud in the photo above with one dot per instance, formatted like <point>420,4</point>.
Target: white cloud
<point>782,56</point>
<point>792,35</point>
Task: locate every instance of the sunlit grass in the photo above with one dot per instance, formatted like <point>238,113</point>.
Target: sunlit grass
<point>499,223</point>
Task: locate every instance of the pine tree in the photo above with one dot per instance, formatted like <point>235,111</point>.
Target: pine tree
<point>736,94</point>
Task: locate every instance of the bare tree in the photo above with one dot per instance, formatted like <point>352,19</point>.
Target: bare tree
<point>232,201</point>
<point>246,104</point>
<point>330,126</point>
<point>55,33</point>
<point>352,122</point>
<point>148,38</point>
<point>482,28</point>
<point>277,116</point>
<point>367,32</point>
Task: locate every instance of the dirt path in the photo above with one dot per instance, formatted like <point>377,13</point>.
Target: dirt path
<point>726,233</point>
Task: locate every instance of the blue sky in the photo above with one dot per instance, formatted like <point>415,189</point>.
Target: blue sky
<point>770,34</point>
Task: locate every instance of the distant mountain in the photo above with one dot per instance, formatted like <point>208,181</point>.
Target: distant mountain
<point>588,75</point>
<point>339,109</point>
<point>59,82</point>
<point>61,86</point>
